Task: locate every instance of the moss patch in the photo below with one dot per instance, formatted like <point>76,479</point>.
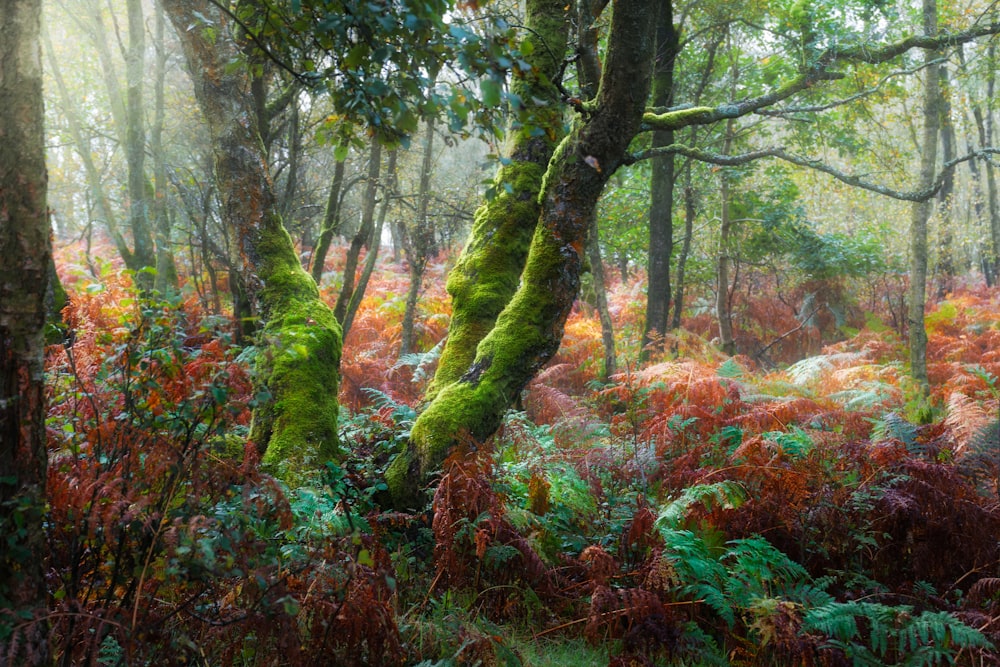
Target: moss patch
<point>296,422</point>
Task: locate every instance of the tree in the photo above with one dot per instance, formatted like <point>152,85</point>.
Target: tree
<point>295,419</point>
<point>921,210</point>
<point>529,329</point>
<point>25,246</point>
<point>661,188</point>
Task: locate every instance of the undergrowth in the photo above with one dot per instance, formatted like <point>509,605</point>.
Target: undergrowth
<point>695,511</point>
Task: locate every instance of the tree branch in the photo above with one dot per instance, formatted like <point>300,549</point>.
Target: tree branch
<point>811,163</point>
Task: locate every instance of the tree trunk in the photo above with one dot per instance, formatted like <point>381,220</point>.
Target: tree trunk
<point>601,298</point>
<point>489,269</point>
<point>372,256</point>
<point>331,222</point>
<point>921,211</point>
<point>421,238</point>
<point>661,226</point>
<point>363,237</point>
<point>722,304</point>
<point>25,246</point>
<point>166,270</point>
<point>529,330</point>
<point>295,422</point>
<point>946,259</point>
<point>143,253</point>
<point>689,213</point>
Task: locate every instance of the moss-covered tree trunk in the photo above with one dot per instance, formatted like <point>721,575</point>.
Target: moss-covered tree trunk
<point>529,330</point>
<point>299,342</point>
<point>25,249</point>
<point>489,269</point>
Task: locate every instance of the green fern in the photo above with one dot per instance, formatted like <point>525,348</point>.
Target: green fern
<point>421,361</point>
<point>894,427</point>
<point>726,494</point>
<point>871,633</point>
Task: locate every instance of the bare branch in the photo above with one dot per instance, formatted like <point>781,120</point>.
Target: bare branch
<point>811,163</point>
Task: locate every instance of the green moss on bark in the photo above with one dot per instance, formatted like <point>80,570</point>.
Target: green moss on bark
<point>299,359</point>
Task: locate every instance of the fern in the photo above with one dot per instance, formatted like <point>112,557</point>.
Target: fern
<point>894,427</point>
<point>872,633</point>
<point>726,495</point>
<point>421,361</point>
<point>796,443</point>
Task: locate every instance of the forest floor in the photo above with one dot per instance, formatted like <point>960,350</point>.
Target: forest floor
<point>798,504</point>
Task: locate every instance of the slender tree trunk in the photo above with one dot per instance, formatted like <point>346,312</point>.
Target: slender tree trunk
<point>984,128</point>
<point>364,234</point>
<point>144,254</point>
<point>921,211</point>
<point>601,297</point>
<point>722,303</point>
<point>946,259</point>
<point>366,273</point>
<point>166,269</point>
<point>661,226</point>
<point>331,222</point>
<point>421,238</point>
<point>25,246</point>
<point>689,213</point>
<point>295,422</point>
<point>489,269</point>
<point>529,329</point>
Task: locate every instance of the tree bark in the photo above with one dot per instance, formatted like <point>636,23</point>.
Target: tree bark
<point>722,305</point>
<point>421,239</point>
<point>363,237</point>
<point>331,222</point>
<point>366,273</point>
<point>489,269</point>
<point>143,253</point>
<point>601,299</point>
<point>946,250</point>
<point>295,422</point>
<point>689,213</point>
<point>166,269</point>
<point>921,211</point>
<point>661,226</point>
<point>529,329</point>
<point>25,246</point>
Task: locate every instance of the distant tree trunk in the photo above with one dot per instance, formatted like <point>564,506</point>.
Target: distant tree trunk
<point>143,254</point>
<point>420,241</point>
<point>601,298</point>
<point>529,330</point>
<point>372,256</point>
<point>25,246</point>
<point>295,423</point>
<point>946,259</point>
<point>331,222</point>
<point>689,213</point>
<point>921,211</point>
<point>489,269</point>
<point>722,303</point>
<point>363,237</point>
<point>166,270</point>
<point>661,226</point>
<point>984,128</point>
